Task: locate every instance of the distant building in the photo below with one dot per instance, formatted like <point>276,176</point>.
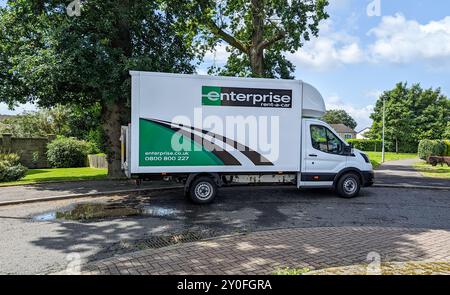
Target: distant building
<point>344,131</point>
<point>363,133</point>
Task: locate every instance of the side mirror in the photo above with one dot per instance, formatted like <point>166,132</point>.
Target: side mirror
<point>348,149</point>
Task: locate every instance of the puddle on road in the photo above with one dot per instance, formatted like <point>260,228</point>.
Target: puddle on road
<point>157,211</point>
<point>93,211</point>
<point>45,216</point>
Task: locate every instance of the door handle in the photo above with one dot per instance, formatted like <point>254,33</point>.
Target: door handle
<point>312,155</point>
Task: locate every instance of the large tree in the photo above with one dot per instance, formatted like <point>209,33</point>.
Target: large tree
<point>411,114</point>
<point>339,117</point>
<point>51,58</point>
<point>258,32</point>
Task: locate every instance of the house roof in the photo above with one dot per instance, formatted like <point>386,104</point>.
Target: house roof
<point>341,128</point>
<point>364,130</point>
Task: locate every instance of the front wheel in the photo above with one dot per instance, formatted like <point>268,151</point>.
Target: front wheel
<point>348,185</point>
<point>202,190</point>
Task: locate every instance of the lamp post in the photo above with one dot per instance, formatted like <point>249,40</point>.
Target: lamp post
<point>382,144</point>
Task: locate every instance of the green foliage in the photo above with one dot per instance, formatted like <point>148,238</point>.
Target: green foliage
<point>51,58</point>
<point>66,152</point>
<point>258,33</point>
<point>371,145</point>
<point>238,64</point>
<point>412,114</point>
<point>339,117</point>
<point>68,120</point>
<point>446,134</point>
<point>10,158</point>
<point>447,143</point>
<point>431,148</point>
<point>10,168</point>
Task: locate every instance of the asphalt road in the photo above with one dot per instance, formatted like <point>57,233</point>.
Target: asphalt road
<point>29,246</point>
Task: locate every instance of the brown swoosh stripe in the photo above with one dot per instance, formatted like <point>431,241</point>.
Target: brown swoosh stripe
<point>224,156</point>
<point>255,157</point>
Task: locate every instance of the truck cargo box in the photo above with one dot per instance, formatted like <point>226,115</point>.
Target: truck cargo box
<point>193,123</point>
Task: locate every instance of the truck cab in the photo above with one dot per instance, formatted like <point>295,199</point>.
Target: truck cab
<point>329,161</point>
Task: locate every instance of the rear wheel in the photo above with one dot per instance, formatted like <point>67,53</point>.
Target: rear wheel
<point>202,190</point>
<point>348,185</point>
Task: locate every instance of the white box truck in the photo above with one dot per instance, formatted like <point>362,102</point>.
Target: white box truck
<point>207,131</point>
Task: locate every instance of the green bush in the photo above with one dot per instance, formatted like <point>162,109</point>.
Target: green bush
<point>368,145</point>
<point>447,143</point>
<point>431,148</point>
<point>10,168</point>
<point>67,152</point>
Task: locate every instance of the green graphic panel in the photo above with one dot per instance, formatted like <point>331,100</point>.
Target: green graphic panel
<point>211,95</point>
<point>155,148</point>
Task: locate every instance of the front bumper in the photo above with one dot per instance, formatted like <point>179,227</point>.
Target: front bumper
<point>368,178</point>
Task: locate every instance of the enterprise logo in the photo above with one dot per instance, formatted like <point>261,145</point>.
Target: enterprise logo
<point>246,97</point>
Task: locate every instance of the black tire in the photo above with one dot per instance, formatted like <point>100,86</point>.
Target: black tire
<point>202,190</point>
<point>348,185</point>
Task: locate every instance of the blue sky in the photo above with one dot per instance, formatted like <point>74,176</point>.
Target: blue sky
<point>357,56</point>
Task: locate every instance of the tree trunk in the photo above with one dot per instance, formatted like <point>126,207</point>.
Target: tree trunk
<point>396,145</point>
<point>116,113</point>
<point>111,123</point>
<point>256,50</point>
<point>257,62</point>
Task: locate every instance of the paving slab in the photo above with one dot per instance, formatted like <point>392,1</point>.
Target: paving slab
<point>266,251</point>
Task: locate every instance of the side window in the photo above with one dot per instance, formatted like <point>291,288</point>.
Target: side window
<point>324,140</point>
<point>319,138</point>
<point>334,144</point>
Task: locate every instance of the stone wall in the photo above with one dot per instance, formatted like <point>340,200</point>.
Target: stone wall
<point>32,151</point>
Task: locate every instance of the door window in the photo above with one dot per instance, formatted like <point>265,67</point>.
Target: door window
<point>324,140</point>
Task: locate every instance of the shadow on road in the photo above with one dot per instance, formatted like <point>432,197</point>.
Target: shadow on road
<point>241,210</point>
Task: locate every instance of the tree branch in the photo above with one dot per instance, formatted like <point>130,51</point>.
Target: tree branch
<point>266,43</point>
<point>225,36</point>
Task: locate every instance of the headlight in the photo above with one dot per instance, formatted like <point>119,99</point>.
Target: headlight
<point>366,157</point>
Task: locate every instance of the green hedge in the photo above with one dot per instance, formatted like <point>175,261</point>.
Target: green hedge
<point>432,148</point>
<point>67,152</point>
<point>447,143</point>
<point>10,168</point>
<point>368,145</point>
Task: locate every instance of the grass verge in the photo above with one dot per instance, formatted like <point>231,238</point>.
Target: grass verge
<point>437,171</point>
<point>59,174</point>
<point>291,271</point>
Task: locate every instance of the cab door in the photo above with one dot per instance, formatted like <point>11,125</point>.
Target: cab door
<point>323,155</point>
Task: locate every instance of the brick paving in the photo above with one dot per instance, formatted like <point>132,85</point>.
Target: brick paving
<point>265,251</point>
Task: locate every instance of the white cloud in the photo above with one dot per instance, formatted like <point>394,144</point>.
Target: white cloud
<point>360,114</point>
<point>396,40</point>
<point>399,40</point>
<point>330,50</point>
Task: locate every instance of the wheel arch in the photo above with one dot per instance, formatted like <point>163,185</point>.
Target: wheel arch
<point>192,176</point>
<point>348,170</point>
